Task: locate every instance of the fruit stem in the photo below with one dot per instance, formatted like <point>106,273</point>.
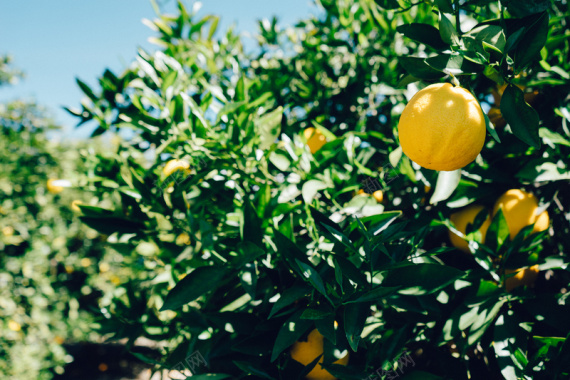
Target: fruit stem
<point>454,80</point>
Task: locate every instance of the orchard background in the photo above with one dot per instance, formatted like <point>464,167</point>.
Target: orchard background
<point>219,218</point>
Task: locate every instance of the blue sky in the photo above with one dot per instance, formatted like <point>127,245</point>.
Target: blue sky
<point>54,41</point>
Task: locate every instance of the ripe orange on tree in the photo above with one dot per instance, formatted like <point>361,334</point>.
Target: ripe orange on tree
<point>53,186</point>
<point>526,277</point>
<point>307,352</point>
<point>315,139</point>
<point>442,127</point>
<point>520,210</point>
<point>378,195</point>
<point>463,218</point>
<point>175,165</point>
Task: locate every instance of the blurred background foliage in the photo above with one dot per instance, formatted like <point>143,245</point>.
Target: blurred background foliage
<point>239,234</point>
<point>54,269</point>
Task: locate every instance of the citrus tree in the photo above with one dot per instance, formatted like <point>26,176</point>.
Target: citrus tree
<point>291,213</point>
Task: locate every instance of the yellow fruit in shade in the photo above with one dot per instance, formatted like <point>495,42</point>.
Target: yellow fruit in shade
<point>85,262</point>
<point>306,352</point>
<point>8,231</point>
<point>183,239</point>
<point>442,127</point>
<point>526,277</point>
<point>59,340</point>
<point>461,219</point>
<point>542,222</point>
<point>519,209</point>
<point>53,187</point>
<point>13,325</point>
<point>378,195</point>
<point>496,117</point>
<point>75,205</point>
<point>174,166</point>
<point>315,139</point>
<point>104,267</point>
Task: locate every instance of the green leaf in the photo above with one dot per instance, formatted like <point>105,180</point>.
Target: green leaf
<point>445,186</point>
<point>355,315</point>
<point>95,211</point>
<point>444,5</point>
<point>484,318</point>
<point>315,314</point>
<point>269,126</point>
<point>248,252</point>
<point>290,332</point>
<point>531,42</point>
<point>492,35</point>
<point>521,117</point>
<point>288,296</point>
<point>169,81</point>
<point>86,89</point>
<point>290,252</point>
<point>551,138</point>
<point>109,225</point>
<point>488,125</point>
<point>210,376</point>
<point>250,226</point>
<point>350,271</point>
<point>251,369</point>
<point>522,8</point>
<point>376,294</point>
<point>229,108</point>
<point>447,30</point>
<point>280,160</point>
<point>540,171</point>
<point>498,231</point>
<point>311,188</point>
<point>423,33</point>
<point>198,282</point>
<point>419,68</point>
<point>311,275</point>
<point>454,64</point>
<point>420,279</point>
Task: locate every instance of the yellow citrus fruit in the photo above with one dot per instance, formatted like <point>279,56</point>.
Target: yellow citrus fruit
<point>104,267</point>
<point>13,325</point>
<point>306,352</point>
<point>496,117</point>
<point>442,127</point>
<point>52,187</point>
<point>85,262</point>
<point>8,231</point>
<point>174,166</point>
<point>378,195</point>
<point>75,205</point>
<point>315,139</point>
<point>461,219</point>
<point>519,208</point>
<point>183,239</point>
<point>526,277</point>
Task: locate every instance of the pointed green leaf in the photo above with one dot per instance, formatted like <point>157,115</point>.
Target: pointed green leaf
<point>198,282</point>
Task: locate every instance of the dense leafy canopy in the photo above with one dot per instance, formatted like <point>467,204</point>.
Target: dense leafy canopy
<point>261,241</point>
<point>278,243</point>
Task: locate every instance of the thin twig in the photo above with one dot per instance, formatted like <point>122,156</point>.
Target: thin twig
<point>410,7</point>
<point>457,19</point>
